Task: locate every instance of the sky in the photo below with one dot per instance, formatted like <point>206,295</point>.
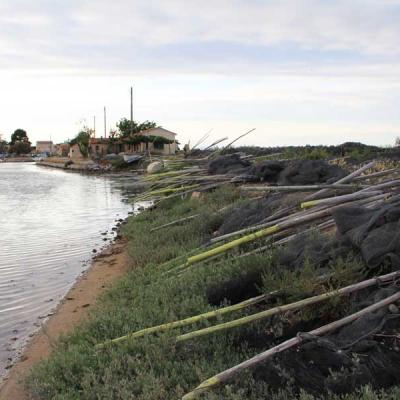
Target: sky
<point>299,71</point>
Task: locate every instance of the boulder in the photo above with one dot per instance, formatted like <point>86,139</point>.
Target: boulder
<point>155,167</point>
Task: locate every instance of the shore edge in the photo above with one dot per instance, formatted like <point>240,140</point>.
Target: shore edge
<point>105,269</point>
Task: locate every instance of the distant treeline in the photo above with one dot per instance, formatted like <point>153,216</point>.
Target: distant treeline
<point>353,150</point>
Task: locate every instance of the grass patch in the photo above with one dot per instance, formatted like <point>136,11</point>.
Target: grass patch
<point>155,367</point>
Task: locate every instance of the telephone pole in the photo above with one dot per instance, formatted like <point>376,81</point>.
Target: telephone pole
<point>105,123</point>
<point>131,110</point>
<point>94,126</point>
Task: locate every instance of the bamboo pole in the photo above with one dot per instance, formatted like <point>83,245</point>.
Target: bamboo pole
<point>346,179</point>
<point>383,185</point>
<point>239,137</point>
<point>189,321</point>
<point>377,174</point>
<point>259,226</point>
<point>215,143</point>
<point>272,221</point>
<point>288,223</point>
<point>170,190</point>
<point>178,221</point>
<point>339,199</point>
<point>288,307</point>
<point>226,375</point>
<point>302,188</point>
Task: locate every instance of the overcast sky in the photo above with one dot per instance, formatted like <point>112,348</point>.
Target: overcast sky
<point>300,72</point>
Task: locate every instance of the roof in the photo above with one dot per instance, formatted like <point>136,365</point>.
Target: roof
<point>99,140</point>
<point>44,142</point>
<point>157,128</point>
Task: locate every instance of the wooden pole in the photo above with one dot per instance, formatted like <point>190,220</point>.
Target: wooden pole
<point>226,375</point>
<point>346,179</point>
<point>131,130</point>
<point>105,123</point>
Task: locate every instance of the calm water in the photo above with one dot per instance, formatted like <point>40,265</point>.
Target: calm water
<point>50,221</point>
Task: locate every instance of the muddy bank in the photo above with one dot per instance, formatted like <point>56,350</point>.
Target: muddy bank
<point>106,268</point>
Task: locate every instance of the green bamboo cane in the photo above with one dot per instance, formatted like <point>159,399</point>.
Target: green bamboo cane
<point>168,191</point>
<point>288,307</point>
<point>187,321</point>
<point>226,375</point>
<point>286,223</point>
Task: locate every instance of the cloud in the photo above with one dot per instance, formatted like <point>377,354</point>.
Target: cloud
<point>190,36</point>
<point>301,71</point>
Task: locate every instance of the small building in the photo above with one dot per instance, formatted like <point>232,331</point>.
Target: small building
<point>155,140</point>
<point>61,149</point>
<point>44,146</point>
<point>99,147</point>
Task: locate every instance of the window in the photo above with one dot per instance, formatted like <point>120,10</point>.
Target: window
<point>159,146</point>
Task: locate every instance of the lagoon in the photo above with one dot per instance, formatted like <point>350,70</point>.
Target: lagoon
<point>50,221</point>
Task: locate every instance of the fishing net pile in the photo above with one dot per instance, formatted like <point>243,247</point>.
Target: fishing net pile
<point>299,172</point>
<point>366,351</point>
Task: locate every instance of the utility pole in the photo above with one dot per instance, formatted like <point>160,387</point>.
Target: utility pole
<point>94,126</point>
<point>105,123</point>
<point>131,110</point>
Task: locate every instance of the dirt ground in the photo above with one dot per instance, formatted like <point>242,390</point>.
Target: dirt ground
<point>105,269</point>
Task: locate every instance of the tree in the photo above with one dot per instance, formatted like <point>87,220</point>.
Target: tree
<point>3,144</point>
<point>126,127</point>
<point>21,147</point>
<point>20,143</point>
<point>82,140</point>
<point>19,135</point>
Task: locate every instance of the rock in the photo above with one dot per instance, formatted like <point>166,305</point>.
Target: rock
<point>94,251</point>
<point>155,167</point>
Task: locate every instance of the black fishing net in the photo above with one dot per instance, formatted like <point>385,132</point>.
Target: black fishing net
<point>376,233</point>
<point>230,164</point>
<point>268,171</point>
<point>363,352</point>
<point>250,213</point>
<point>283,173</point>
<point>307,172</point>
<point>367,351</point>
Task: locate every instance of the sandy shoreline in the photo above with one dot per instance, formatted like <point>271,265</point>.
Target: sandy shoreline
<point>107,267</point>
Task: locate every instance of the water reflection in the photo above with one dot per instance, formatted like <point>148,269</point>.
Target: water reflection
<point>50,221</point>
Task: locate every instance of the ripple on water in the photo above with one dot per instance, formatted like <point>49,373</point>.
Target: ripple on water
<point>50,222</point>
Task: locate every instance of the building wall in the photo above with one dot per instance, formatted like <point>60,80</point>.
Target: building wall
<point>98,149</point>
<point>75,153</point>
<point>167,148</point>
<point>61,149</point>
<point>44,147</point>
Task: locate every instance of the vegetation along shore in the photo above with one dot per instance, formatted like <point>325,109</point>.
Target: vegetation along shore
<point>252,276</point>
